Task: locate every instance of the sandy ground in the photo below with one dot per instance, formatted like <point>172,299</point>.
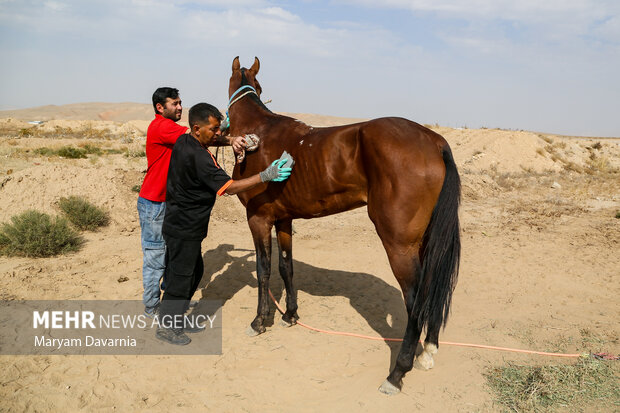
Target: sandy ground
<point>540,270</point>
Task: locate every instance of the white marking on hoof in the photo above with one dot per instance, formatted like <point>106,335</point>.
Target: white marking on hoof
<point>285,323</point>
<point>424,361</point>
<point>430,348</point>
<point>250,332</point>
<point>389,389</point>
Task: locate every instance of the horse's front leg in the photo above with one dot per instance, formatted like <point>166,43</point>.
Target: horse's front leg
<point>261,232</point>
<point>285,244</point>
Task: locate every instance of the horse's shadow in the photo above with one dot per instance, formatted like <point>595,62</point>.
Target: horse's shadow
<point>374,299</point>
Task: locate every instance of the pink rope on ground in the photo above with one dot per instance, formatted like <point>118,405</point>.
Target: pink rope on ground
<point>447,343</point>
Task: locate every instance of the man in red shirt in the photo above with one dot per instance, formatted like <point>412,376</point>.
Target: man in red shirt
<point>161,136</point>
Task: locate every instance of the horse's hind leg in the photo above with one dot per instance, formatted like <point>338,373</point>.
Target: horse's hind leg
<point>261,232</point>
<point>406,267</point>
<point>285,244</point>
<point>401,230</point>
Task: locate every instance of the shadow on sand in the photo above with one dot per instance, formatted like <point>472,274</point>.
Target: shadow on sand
<point>370,296</point>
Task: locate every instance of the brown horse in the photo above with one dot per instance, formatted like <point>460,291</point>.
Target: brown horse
<point>402,171</point>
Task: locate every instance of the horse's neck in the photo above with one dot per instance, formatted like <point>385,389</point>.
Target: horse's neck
<point>249,115</point>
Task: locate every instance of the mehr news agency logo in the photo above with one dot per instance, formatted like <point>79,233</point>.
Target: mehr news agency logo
<point>86,320</point>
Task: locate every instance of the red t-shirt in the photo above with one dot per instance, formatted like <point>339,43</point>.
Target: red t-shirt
<point>160,138</point>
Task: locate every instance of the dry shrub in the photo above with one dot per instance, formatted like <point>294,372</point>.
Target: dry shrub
<point>572,166</point>
<point>83,214</point>
<point>507,181</point>
<point>71,153</point>
<point>547,139</point>
<point>539,213</point>
<point>599,164</point>
<point>44,151</point>
<point>35,234</point>
<point>59,132</point>
<point>91,149</point>
<point>135,153</point>
<point>556,207</point>
<point>25,132</point>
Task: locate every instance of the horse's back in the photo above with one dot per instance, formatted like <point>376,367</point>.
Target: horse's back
<point>401,134</point>
<point>338,168</point>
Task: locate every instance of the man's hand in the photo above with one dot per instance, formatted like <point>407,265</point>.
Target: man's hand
<point>238,144</point>
<point>276,171</point>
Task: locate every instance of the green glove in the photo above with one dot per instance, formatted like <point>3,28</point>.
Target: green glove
<point>276,172</point>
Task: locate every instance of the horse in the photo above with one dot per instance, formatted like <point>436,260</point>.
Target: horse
<point>402,171</point>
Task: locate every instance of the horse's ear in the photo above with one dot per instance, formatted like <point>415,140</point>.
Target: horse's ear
<point>236,65</point>
<point>255,66</point>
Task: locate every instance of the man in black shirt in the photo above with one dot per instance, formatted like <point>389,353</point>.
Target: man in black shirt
<point>194,181</point>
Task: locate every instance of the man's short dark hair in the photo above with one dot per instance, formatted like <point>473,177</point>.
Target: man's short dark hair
<point>200,112</point>
<point>161,94</point>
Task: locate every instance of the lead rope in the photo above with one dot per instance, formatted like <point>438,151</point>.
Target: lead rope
<point>598,356</point>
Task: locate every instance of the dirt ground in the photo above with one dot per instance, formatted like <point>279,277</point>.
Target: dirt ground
<point>540,270</point>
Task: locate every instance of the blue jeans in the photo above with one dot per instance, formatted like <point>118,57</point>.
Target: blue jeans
<point>153,249</point>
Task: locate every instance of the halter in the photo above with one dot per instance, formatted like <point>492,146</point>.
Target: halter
<point>232,100</point>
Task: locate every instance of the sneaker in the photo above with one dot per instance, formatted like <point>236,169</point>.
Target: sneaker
<point>151,312</point>
<point>195,327</point>
<point>172,336</point>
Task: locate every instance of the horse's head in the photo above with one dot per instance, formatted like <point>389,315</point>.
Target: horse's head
<point>242,77</point>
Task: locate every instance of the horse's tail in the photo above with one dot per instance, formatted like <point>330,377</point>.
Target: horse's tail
<point>441,252</point>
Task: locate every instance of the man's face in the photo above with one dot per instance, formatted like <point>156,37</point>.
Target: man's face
<point>207,132</point>
<point>172,109</point>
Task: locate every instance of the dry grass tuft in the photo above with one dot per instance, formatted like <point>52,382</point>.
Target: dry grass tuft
<point>586,385</point>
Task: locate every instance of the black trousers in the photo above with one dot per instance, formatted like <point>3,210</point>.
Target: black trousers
<point>184,269</point>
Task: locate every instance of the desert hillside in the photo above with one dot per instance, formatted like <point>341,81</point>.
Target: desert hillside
<point>540,270</point>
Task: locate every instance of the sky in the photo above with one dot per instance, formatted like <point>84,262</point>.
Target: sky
<point>548,66</point>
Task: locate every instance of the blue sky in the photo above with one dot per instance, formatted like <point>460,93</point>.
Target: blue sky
<point>551,66</point>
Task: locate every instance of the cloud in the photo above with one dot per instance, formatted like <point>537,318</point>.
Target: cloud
<point>555,19</point>
<point>55,6</point>
<point>473,62</point>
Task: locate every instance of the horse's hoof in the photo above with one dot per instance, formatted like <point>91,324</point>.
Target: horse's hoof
<point>424,361</point>
<point>286,324</point>
<point>389,389</point>
<point>250,332</point>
